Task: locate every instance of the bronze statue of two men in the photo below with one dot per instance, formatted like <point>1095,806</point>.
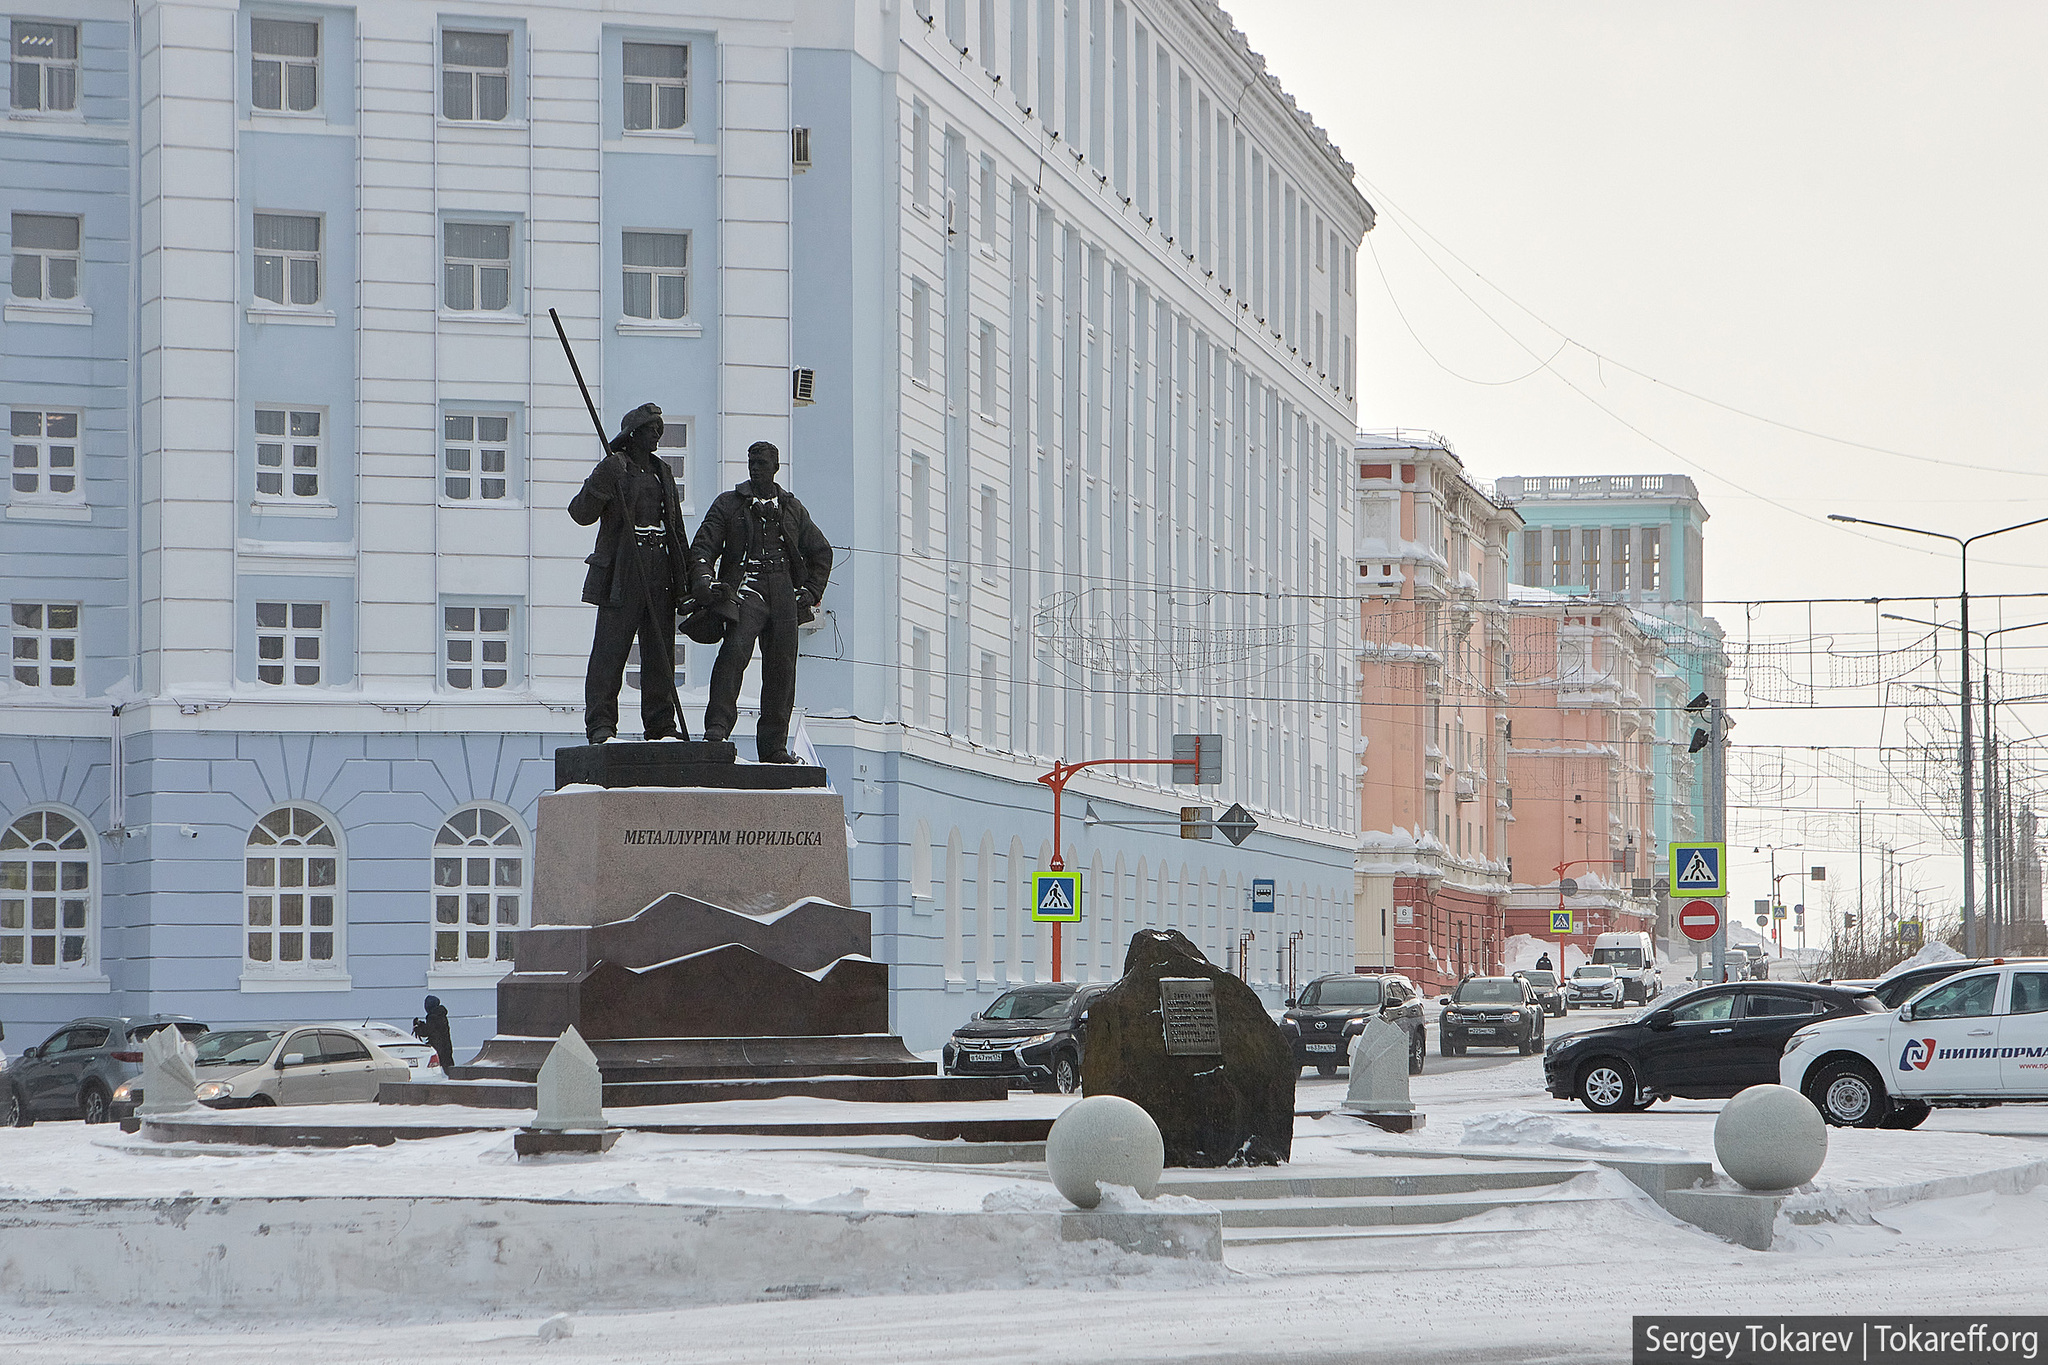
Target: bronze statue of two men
<point>755,572</point>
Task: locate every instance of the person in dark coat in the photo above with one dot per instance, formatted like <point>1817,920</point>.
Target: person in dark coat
<point>762,563</point>
<point>433,1031</point>
<point>1543,964</point>
<point>638,572</point>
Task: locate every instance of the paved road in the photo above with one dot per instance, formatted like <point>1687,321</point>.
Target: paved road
<point>1312,1090</point>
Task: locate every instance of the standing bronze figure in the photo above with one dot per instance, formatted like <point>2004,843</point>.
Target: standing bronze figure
<point>760,561</point>
<point>638,573</point>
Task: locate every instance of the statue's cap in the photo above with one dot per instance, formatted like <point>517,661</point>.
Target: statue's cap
<point>639,417</point>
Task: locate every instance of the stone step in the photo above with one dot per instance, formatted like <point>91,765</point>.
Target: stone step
<point>1383,1210</point>
<point>709,1071</point>
<point>506,1094</point>
<point>1262,1237</point>
<point>1231,1185</point>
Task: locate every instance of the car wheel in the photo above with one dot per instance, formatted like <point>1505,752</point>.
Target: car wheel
<point>1607,1087</point>
<point>1066,1073</point>
<point>1418,1048</point>
<point>1443,1045</point>
<point>17,1112</point>
<point>93,1104</point>
<point>1906,1114</point>
<point>1849,1094</point>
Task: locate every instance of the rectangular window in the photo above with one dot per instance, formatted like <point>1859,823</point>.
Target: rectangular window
<point>1560,558</point>
<point>476,646</point>
<point>288,259</point>
<point>1621,564</point>
<point>288,454</point>
<point>990,510</point>
<point>987,213</point>
<point>478,267</point>
<point>920,504</point>
<point>474,447</point>
<point>657,86</point>
<point>1589,559</point>
<point>45,66</point>
<point>46,455</point>
<point>985,369</point>
<point>1532,558</point>
<point>476,76</point>
<point>920,155</point>
<point>284,65</point>
<point>290,641</point>
<point>657,279</point>
<point>921,677</point>
<point>46,645</point>
<point>674,449</point>
<point>921,332</point>
<point>1653,559</point>
<point>46,256</point>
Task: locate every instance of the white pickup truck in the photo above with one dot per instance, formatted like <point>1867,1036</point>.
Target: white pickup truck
<point>1979,1036</point>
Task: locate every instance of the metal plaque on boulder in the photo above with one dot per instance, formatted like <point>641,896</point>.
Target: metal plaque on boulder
<point>1187,1011</point>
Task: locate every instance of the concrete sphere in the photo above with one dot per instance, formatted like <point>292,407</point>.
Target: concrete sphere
<point>1103,1140</point>
<point>1770,1137</point>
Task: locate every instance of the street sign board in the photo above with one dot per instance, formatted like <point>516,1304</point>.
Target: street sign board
<point>1699,920</point>
<point>1056,896</point>
<point>1237,823</point>
<point>1699,869</point>
<point>1196,821</point>
<point>1777,912</point>
<point>1262,895</point>
<point>1560,921</point>
<point>1570,886</point>
<point>1197,760</point>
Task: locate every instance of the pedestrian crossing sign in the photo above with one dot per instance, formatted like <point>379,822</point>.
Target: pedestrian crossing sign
<point>1056,896</point>
<point>1699,869</point>
<point>1560,921</point>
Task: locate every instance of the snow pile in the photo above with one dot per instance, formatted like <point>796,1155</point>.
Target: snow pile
<point>1524,949</point>
<point>1934,951</point>
<point>1520,1128</point>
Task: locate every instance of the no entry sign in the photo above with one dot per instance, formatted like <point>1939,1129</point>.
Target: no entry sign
<point>1699,920</point>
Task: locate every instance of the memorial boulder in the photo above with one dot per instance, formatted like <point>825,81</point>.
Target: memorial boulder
<point>1193,1046</point>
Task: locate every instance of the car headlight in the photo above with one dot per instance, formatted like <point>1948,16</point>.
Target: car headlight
<point>214,1090</point>
<point>1035,1039</point>
<point>1797,1041</point>
<point>1569,1040</point>
<point>125,1093</point>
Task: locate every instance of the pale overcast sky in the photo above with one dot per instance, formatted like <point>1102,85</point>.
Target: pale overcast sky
<point>1828,214</point>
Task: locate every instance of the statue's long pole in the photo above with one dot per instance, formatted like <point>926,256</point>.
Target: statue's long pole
<point>582,387</point>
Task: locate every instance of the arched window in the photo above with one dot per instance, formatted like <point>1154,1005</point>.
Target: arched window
<point>292,884</point>
<point>479,889</point>
<point>47,888</point>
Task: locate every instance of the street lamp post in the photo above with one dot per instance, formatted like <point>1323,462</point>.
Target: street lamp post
<point>1962,544</point>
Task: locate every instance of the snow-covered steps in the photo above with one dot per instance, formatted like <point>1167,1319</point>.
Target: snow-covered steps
<point>1326,1203</point>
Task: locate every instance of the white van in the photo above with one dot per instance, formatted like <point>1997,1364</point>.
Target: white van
<point>1633,955</point>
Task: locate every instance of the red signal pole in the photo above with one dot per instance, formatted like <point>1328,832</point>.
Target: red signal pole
<point>1063,773</point>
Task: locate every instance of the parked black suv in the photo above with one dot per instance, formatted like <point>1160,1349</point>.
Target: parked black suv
<point>76,1070</point>
<point>1332,1010</point>
<point>1033,1035</point>
<point>1708,1044</point>
<point>1490,1011</point>
<point>1545,987</point>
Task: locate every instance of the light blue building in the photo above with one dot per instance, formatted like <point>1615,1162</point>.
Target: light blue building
<point>1063,363</point>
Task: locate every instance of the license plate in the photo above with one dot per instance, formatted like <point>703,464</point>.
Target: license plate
<point>1320,1047</point>
<point>982,1058</point>
<point>1479,1030</point>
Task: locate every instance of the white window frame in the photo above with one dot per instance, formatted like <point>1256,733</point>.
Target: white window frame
<point>38,449</point>
<point>476,268</point>
<point>34,862</point>
<point>37,645</point>
<point>654,275</point>
<point>294,633</point>
<point>991,516</point>
<point>477,452</point>
<point>920,504</point>
<point>293,449</point>
<point>677,437</point>
<point>44,258</point>
<point>921,155</point>
<point>287,64</point>
<point>42,66</point>
<point>656,87</point>
<point>461,891</point>
<point>470,78</point>
<point>920,332</point>
<point>285,901</point>
<point>921,708</point>
<point>985,368</point>
<point>287,258</point>
<point>477,643</point>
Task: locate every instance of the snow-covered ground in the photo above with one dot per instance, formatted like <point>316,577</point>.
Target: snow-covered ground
<point>1544,1282</point>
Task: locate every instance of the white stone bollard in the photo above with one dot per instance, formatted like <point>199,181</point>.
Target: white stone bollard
<point>1770,1137</point>
<point>569,1092</point>
<point>1104,1140</point>
<point>169,1075</point>
<point>1379,1071</point>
